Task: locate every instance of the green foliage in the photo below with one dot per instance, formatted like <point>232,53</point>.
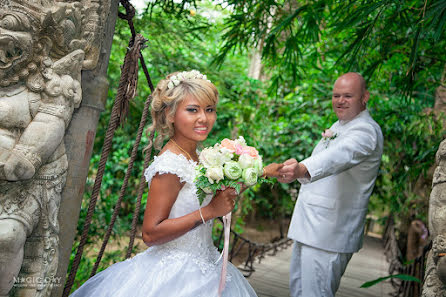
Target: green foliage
<point>411,139</point>
<point>404,277</point>
<point>297,36</point>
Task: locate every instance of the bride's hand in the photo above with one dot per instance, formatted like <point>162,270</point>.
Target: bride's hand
<point>272,170</point>
<point>243,188</point>
<point>221,204</point>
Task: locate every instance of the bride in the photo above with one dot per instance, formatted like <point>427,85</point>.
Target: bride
<point>181,260</point>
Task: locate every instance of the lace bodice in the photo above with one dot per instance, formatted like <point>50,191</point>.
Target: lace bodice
<point>196,244</point>
<point>187,200</point>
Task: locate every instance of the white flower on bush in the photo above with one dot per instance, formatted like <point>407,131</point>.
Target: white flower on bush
<point>211,157</point>
<point>250,176</point>
<point>232,170</point>
<point>214,174</point>
<point>246,161</point>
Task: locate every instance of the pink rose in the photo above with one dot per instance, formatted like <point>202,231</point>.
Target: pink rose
<point>327,133</point>
<point>228,144</point>
<point>251,151</point>
<point>238,149</point>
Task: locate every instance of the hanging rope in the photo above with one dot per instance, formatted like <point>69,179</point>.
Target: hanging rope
<point>123,187</point>
<point>142,186</point>
<point>130,13</point>
<point>128,16</point>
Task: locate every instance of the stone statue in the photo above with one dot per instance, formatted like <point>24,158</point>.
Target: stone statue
<point>435,277</point>
<point>44,45</point>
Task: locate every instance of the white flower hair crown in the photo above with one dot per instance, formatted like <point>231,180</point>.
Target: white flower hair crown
<point>175,80</point>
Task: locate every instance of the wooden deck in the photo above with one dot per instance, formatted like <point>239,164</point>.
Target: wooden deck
<point>271,276</point>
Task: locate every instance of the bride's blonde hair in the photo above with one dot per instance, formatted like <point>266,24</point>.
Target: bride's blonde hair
<point>165,100</point>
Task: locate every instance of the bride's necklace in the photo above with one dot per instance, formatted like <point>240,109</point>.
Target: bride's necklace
<point>176,144</point>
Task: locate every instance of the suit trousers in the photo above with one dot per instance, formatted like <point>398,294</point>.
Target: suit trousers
<point>315,272</point>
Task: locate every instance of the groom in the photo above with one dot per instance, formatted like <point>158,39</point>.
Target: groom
<point>337,181</point>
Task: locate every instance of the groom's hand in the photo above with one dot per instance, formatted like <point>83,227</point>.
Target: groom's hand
<point>292,170</point>
<point>287,173</point>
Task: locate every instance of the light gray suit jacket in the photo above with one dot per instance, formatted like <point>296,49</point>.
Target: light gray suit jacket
<point>332,205</point>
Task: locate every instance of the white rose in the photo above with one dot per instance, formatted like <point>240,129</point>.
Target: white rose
<point>214,174</point>
<point>259,165</point>
<point>211,157</point>
<point>232,170</point>
<point>226,156</point>
<point>226,151</point>
<point>250,176</point>
<point>246,161</point>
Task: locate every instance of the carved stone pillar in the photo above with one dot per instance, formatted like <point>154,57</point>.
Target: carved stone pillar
<point>44,46</point>
<point>435,277</point>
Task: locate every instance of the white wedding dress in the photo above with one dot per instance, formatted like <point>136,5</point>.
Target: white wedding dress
<point>183,267</point>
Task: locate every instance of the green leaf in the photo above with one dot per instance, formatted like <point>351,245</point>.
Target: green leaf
<point>404,277</point>
<point>201,195</point>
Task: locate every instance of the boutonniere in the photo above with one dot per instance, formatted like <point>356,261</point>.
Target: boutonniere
<point>328,135</point>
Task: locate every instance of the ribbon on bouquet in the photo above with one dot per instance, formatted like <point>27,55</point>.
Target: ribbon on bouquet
<point>224,266</point>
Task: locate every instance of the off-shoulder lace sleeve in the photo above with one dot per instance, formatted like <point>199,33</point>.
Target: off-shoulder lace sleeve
<point>169,162</point>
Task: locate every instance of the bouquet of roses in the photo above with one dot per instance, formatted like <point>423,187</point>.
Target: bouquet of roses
<point>230,163</point>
